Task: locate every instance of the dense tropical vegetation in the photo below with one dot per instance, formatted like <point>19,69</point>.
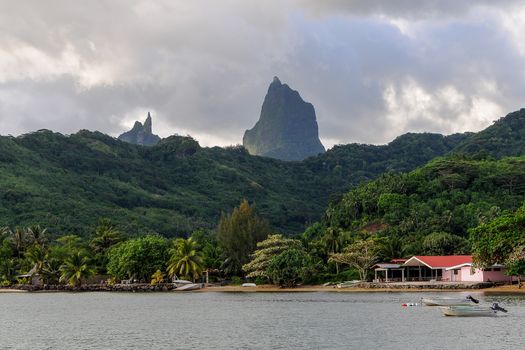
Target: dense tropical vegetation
<point>174,208</point>
<point>65,183</point>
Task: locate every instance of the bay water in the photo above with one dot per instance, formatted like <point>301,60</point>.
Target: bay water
<point>214,320</point>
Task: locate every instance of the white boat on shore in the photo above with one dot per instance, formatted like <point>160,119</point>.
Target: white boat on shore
<point>249,285</point>
<point>188,287</point>
<point>348,284</point>
<point>472,311</point>
<point>449,301</point>
<point>180,283</point>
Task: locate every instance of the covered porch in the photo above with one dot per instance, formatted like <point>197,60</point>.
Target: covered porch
<point>389,273</point>
<point>418,270</point>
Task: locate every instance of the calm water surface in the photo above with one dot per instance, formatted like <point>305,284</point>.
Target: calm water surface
<point>249,321</point>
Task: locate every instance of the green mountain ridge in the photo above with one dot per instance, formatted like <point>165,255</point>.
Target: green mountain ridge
<point>66,183</point>
<point>450,195</point>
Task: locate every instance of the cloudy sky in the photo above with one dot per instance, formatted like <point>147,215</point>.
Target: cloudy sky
<point>373,69</point>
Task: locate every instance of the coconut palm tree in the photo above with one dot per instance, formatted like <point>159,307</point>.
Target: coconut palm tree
<point>333,240</point>
<point>20,240</point>
<point>106,235</point>
<point>37,235</point>
<point>51,271</point>
<point>392,248</point>
<point>37,256</point>
<point>75,268</point>
<point>186,260</point>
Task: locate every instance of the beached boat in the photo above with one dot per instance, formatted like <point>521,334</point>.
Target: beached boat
<point>348,284</point>
<point>188,287</point>
<point>449,301</point>
<point>248,285</point>
<point>472,311</point>
<point>180,283</point>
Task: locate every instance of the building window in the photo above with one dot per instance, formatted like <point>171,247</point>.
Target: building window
<point>496,269</point>
<point>456,272</point>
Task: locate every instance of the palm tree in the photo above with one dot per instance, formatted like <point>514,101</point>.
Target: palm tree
<point>75,268</point>
<point>51,271</point>
<point>333,240</point>
<point>106,235</point>
<point>19,239</point>
<point>392,248</point>
<point>37,235</point>
<point>185,260</point>
<point>7,270</point>
<point>37,255</point>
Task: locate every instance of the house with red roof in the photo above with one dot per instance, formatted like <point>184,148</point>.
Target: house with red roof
<point>449,268</point>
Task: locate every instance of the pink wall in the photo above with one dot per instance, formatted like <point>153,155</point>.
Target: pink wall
<point>447,275</point>
<point>464,275</point>
<point>496,276</point>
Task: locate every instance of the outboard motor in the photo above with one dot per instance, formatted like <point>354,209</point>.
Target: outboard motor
<point>496,307</point>
<point>475,301</point>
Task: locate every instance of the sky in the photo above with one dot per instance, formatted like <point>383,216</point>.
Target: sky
<point>373,69</point>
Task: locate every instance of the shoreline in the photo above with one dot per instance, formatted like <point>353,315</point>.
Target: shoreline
<point>503,289</point>
<point>512,289</point>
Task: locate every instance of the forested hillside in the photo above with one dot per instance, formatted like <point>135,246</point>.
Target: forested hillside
<point>446,197</point>
<point>66,183</point>
<point>506,137</point>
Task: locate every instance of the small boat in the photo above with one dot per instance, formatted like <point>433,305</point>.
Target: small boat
<point>348,284</point>
<point>248,285</point>
<point>472,311</point>
<point>180,283</point>
<point>444,301</point>
<point>188,287</point>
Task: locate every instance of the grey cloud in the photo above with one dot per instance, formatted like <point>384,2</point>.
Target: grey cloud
<point>408,9</point>
<point>203,67</point>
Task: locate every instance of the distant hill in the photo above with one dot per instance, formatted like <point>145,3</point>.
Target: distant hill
<point>67,183</point>
<point>482,177</point>
<point>287,127</point>
<point>506,137</point>
<point>141,134</point>
<point>450,194</point>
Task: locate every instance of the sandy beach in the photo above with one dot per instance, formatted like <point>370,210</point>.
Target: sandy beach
<point>320,288</point>
<point>268,288</point>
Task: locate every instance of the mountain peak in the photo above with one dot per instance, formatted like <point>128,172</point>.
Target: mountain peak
<point>141,134</point>
<point>147,124</point>
<point>287,128</point>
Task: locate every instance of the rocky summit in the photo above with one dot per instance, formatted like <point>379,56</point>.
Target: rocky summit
<point>287,128</point>
<point>141,134</point>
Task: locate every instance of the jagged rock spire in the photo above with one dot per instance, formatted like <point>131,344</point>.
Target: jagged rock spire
<point>141,134</point>
<point>147,124</point>
<point>287,128</point>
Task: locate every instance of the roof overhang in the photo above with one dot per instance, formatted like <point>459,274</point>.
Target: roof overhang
<point>414,261</point>
<point>457,267</point>
<point>387,266</point>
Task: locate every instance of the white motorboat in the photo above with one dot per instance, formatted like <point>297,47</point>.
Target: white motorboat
<point>188,287</point>
<point>449,301</point>
<point>472,311</point>
<point>348,284</point>
<point>180,283</point>
<point>248,285</point>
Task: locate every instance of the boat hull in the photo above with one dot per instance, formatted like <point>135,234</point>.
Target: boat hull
<point>468,311</point>
<point>188,287</point>
<point>445,302</point>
